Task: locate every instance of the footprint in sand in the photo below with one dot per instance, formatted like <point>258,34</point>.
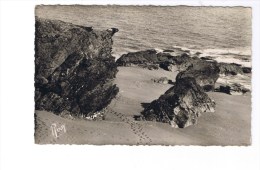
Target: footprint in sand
<point>135,127</point>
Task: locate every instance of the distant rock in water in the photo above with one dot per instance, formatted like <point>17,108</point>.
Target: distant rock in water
<point>168,51</point>
<point>230,68</point>
<point>205,73</point>
<point>206,58</point>
<point>233,89</point>
<point>246,69</point>
<point>181,105</point>
<point>74,68</point>
<point>182,60</point>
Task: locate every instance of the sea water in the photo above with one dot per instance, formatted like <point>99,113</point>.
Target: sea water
<point>223,33</point>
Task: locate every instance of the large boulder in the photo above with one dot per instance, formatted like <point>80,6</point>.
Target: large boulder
<point>205,73</point>
<point>74,68</point>
<point>181,105</point>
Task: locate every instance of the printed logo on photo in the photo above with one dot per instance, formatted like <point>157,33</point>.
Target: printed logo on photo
<point>57,130</point>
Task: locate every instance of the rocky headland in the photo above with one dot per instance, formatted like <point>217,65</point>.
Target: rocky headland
<point>74,68</point>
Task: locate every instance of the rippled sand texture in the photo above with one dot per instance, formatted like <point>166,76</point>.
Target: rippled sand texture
<point>229,125</point>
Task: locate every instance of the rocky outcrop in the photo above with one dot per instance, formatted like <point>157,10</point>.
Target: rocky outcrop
<point>205,74</point>
<point>233,89</point>
<point>74,68</point>
<point>167,66</point>
<point>181,105</point>
<point>230,68</point>
<point>207,58</point>
<point>149,58</point>
<point>246,70</point>
<point>168,59</point>
<point>136,58</point>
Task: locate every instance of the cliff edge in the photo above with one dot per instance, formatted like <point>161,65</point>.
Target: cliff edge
<point>74,68</point>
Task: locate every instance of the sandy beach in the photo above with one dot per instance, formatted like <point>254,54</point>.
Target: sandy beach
<point>229,125</point>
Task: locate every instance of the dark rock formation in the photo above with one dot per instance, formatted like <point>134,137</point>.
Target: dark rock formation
<point>136,58</point>
<point>233,89</point>
<point>246,70</point>
<point>230,68</point>
<point>74,69</point>
<point>151,57</point>
<point>205,73</point>
<point>147,59</point>
<point>185,61</point>
<point>168,51</point>
<point>166,66</point>
<point>206,58</point>
<point>181,105</point>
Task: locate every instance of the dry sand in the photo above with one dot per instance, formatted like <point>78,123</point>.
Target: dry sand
<point>229,125</point>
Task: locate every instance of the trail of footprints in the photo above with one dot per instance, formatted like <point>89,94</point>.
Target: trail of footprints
<point>137,129</point>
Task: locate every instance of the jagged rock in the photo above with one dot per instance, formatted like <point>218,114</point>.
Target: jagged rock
<point>74,68</point>
<point>166,66</point>
<point>165,58</point>
<point>181,105</point>
<point>246,69</point>
<point>185,61</point>
<point>230,68</point>
<point>205,73</point>
<point>233,89</point>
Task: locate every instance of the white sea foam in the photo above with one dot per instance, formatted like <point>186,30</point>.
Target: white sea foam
<point>240,56</point>
<point>236,51</point>
<point>233,60</point>
<point>158,50</point>
<point>244,80</point>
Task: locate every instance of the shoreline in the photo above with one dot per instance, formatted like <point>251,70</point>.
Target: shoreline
<point>240,56</point>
